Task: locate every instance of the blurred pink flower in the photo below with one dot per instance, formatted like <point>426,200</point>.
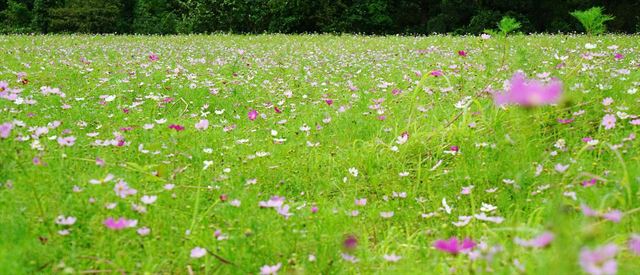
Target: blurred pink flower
<point>270,270</point>
<point>198,252</point>
<point>634,244</point>
<point>599,261</point>
<point>528,92</point>
<point>153,57</point>
<point>454,246</point>
<point>119,224</point>
<point>67,141</point>
<point>202,124</point>
<point>253,114</point>
<point>538,242</point>
<point>5,129</point>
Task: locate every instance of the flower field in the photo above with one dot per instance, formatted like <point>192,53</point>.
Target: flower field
<point>319,154</point>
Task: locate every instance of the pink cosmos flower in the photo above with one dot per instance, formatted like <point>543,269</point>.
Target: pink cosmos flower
<point>609,121</point>
<point>436,73</point>
<point>350,242</point>
<point>527,92</point>
<point>462,53</point>
<point>329,101</point>
<point>119,224</point>
<point>454,246</point>
<point>273,202</point>
<point>153,57</point>
<point>588,183</point>
<point>270,270</point>
<point>618,56</point>
<point>634,244</point>
<point>599,261</point>
<point>538,242</point>
<point>176,127</point>
<point>202,124</point>
<point>5,129</point>
<point>391,258</point>
<point>67,141</point>
<point>198,252</point>
<point>253,114</point>
<point>123,190</point>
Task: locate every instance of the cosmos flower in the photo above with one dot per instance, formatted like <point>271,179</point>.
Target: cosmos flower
<point>253,114</point>
<point>198,252</point>
<point>454,246</point>
<point>202,124</point>
<point>62,220</point>
<point>609,121</point>
<point>462,53</point>
<point>153,57</point>
<point>270,269</point>
<point>123,190</point>
<point>119,224</point>
<point>634,244</point>
<point>176,127</point>
<point>5,129</point>
<point>391,258</point>
<point>528,92</point>
<point>599,261</point>
<point>67,141</point>
<point>538,242</point>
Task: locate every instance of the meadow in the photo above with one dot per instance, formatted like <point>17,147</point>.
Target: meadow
<point>319,154</point>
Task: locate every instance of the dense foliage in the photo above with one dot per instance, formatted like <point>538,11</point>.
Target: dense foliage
<point>299,16</point>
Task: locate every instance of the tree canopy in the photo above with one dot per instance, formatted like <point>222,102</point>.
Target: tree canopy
<point>302,16</point>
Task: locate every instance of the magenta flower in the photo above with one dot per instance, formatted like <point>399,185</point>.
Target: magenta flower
<point>329,101</point>
<point>350,242</point>
<point>5,129</point>
<point>538,242</point>
<point>600,261</point>
<point>153,57</point>
<point>634,244</point>
<point>454,246</point>
<point>176,127</point>
<point>462,53</point>
<point>119,224</point>
<point>436,73</point>
<point>618,56</point>
<point>253,114</point>
<point>527,92</point>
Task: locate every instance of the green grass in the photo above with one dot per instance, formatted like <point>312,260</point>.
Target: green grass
<point>296,73</point>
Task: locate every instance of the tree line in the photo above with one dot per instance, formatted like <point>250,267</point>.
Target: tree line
<point>304,16</point>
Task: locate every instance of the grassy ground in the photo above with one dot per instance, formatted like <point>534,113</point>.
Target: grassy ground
<point>380,87</point>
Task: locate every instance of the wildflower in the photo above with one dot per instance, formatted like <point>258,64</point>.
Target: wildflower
<point>350,242</point>
<point>538,242</point>
<point>269,270</point>
<point>123,190</point>
<point>153,57</point>
<point>5,129</point>
<point>176,127</point>
<point>454,246</point>
<point>386,215</point>
<point>462,53</point>
<point>143,231</point>
<point>202,124</point>
<point>62,220</point>
<point>561,168</point>
<point>436,73</point>
<point>148,199</point>
<point>599,260</point>
<point>349,258</point>
<point>198,252</point>
<point>609,121</point>
<point>119,224</point>
<point>634,244</point>
<point>618,56</point>
<point>391,258</point>
<point>353,171</point>
<point>361,202</point>
<point>273,202</point>
<point>253,114</point>
<point>67,141</point>
<point>529,93</point>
